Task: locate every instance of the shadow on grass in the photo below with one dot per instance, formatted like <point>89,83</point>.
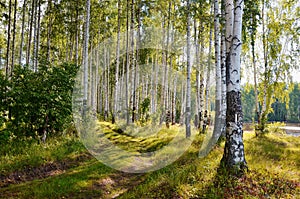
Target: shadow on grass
<point>252,184</point>
<point>274,149</point>
<point>73,182</point>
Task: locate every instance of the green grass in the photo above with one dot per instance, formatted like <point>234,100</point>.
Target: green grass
<point>129,139</point>
<point>273,160</point>
<point>21,154</point>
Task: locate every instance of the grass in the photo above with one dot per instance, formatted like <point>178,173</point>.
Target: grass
<point>273,160</point>
<point>21,154</point>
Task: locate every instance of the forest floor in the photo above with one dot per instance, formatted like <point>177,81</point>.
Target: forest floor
<point>63,168</point>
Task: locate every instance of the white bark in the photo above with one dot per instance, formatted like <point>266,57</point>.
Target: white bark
<point>207,93</point>
<point>188,80</point>
<point>218,122</point>
<point>201,92</point>
<point>14,38</point>
<point>7,67</point>
<point>35,37</point>
<point>85,57</point>
<point>234,83</point>
<point>127,67</point>
<point>117,62</point>
<point>198,109</point>
<point>223,77</point>
<point>22,32</point>
<point>31,16</point>
<point>234,157</point>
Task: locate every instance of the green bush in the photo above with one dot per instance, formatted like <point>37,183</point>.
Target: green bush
<point>38,101</point>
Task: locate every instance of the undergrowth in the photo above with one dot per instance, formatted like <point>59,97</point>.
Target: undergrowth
<point>272,159</point>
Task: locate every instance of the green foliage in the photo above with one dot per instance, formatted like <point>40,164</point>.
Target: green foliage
<point>275,127</point>
<point>3,104</point>
<point>39,101</point>
<point>144,108</point>
<point>284,103</point>
<point>294,105</point>
<point>248,101</point>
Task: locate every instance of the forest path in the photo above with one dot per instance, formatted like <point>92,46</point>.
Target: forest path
<point>106,183</point>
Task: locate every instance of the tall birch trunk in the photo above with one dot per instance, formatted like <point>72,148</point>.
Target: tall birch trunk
<point>28,50</point>
<point>218,120</point>
<point>234,156</point>
<point>257,111</point>
<point>127,66</point>
<point>35,36</point>
<point>223,73</point>
<point>207,93</point>
<point>22,32</point>
<point>197,119</point>
<point>262,117</point>
<point>14,38</point>
<point>116,97</point>
<point>188,80</point>
<point>38,35</point>
<point>77,34</point>
<point>49,29</point>
<point>201,92</point>
<point>85,57</point>
<point>166,73</point>
<point>7,68</point>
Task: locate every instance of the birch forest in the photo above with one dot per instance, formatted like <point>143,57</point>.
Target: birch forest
<point>149,99</point>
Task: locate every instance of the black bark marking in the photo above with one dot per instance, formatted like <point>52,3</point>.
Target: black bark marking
<point>234,71</point>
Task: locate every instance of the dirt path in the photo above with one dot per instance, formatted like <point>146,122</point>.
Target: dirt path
<point>111,186</point>
<point>117,183</point>
<point>43,171</point>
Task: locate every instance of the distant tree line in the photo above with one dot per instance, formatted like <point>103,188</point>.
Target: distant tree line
<point>282,111</point>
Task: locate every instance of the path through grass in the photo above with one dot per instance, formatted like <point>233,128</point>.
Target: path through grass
<point>70,172</point>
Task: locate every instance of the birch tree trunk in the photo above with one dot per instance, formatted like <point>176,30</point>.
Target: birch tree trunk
<point>257,111</point>
<point>188,80</point>
<point>223,73</point>
<point>22,32</point>
<point>197,118</point>
<point>207,93</point>
<point>218,120</point>
<point>166,73</point>
<point>85,57</point>
<point>174,100</point>
<point>7,68</point>
<point>116,97</point>
<point>163,81</point>
<point>30,34</point>
<point>234,156</point>
<point>35,36</point>
<point>38,35</point>
<point>262,117</point>
<point>201,92</point>
<point>49,29</point>
<point>14,38</point>
<point>127,66</point>
<point>77,34</point>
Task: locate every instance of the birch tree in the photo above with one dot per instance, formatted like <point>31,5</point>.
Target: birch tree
<point>207,93</point>
<point>7,68</point>
<point>85,57</point>
<point>223,71</point>
<point>234,156</point>
<point>188,80</point>
<point>22,32</point>
<point>14,37</point>
<point>29,36</point>
<point>116,97</point>
<point>218,120</point>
